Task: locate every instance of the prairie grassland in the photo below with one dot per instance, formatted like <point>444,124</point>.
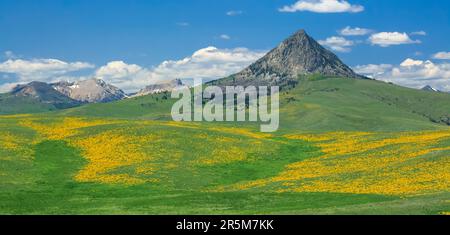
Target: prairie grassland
<point>145,148</point>
<point>9,141</point>
<point>369,148</point>
<point>407,163</point>
<point>61,129</point>
<point>404,164</point>
<point>110,150</point>
<point>14,141</point>
<point>212,162</point>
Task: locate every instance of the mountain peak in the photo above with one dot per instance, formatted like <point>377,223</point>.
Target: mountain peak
<point>300,32</point>
<point>33,89</point>
<point>300,35</point>
<point>92,90</point>
<point>298,55</point>
<point>430,88</point>
<point>44,93</point>
<point>161,87</point>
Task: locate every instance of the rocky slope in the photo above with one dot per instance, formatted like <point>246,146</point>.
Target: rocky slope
<point>430,88</point>
<point>298,55</point>
<point>161,87</point>
<point>90,91</point>
<point>44,93</point>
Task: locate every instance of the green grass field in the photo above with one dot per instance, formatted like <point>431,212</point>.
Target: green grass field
<point>344,147</point>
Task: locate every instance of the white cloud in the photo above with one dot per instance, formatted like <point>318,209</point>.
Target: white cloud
<point>442,55</point>
<point>45,70</point>
<point>348,31</point>
<point>372,70</point>
<point>420,33</point>
<point>386,39</point>
<point>118,69</point>
<point>234,13</point>
<point>207,63</point>
<point>339,44</point>
<point>225,37</point>
<point>41,69</point>
<point>123,75</point>
<point>410,62</point>
<point>411,73</point>
<point>323,6</point>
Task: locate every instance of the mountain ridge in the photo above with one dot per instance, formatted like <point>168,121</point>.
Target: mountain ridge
<point>90,91</point>
<point>160,87</point>
<point>44,93</point>
<point>35,96</point>
<point>430,88</point>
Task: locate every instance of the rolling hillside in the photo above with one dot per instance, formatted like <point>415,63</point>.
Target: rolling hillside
<point>346,146</point>
<point>362,105</point>
<point>316,104</point>
<point>86,161</point>
<point>10,104</point>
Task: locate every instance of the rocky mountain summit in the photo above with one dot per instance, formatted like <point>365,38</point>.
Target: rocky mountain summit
<point>161,87</point>
<point>61,95</point>
<point>90,91</point>
<point>297,55</point>
<point>65,94</point>
<point>430,88</point>
<point>44,93</point>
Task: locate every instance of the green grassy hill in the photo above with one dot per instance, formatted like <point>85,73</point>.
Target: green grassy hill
<point>317,104</point>
<point>153,107</point>
<point>34,97</point>
<point>67,165</point>
<point>361,105</point>
<point>10,104</point>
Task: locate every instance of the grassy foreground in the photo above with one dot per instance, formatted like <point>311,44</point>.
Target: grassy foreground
<point>326,158</point>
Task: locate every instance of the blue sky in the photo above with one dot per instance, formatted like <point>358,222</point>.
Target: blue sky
<point>127,42</point>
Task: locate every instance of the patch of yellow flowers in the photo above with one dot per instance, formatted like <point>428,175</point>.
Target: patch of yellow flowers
<point>9,141</point>
<point>105,152</point>
<point>14,145</point>
<point>68,127</point>
<point>123,156</point>
<point>365,163</point>
<point>408,163</point>
<point>109,151</point>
